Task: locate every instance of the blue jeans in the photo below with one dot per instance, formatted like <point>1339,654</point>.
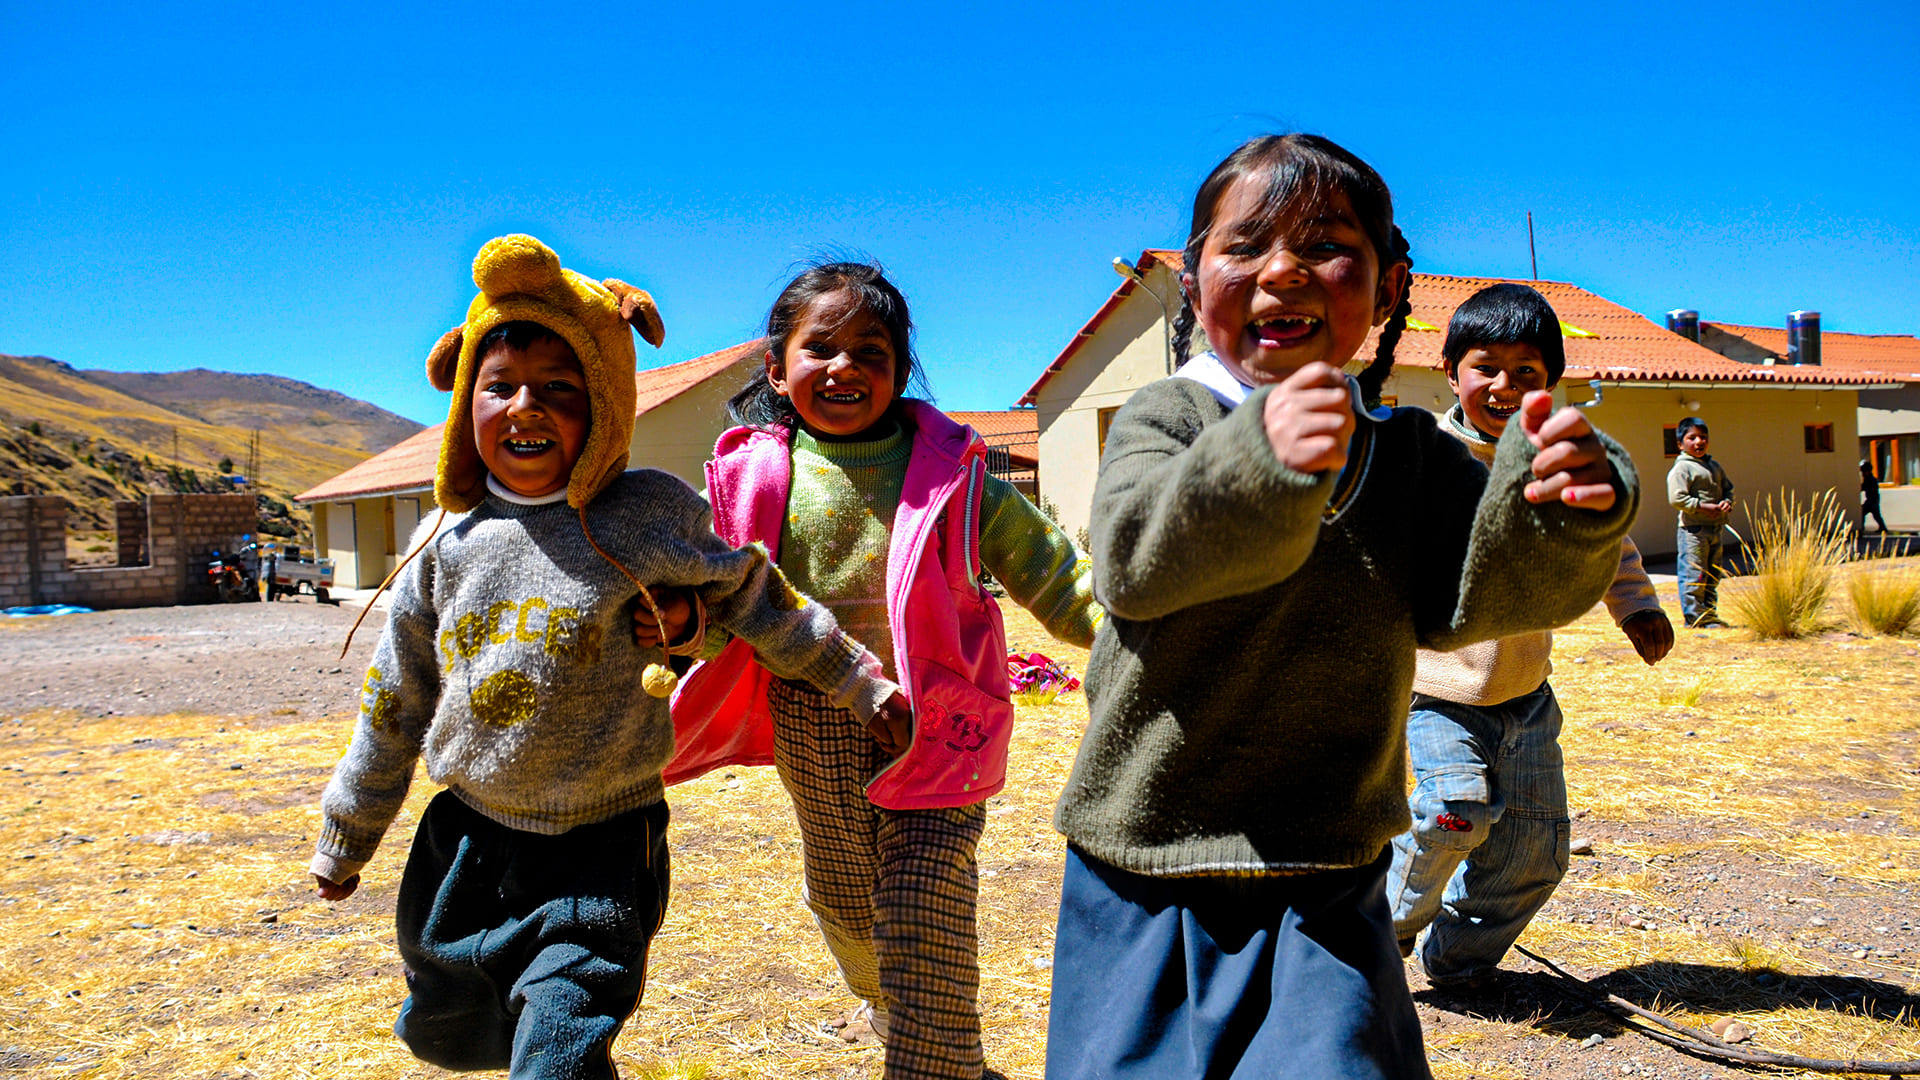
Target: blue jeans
<point>1489,837</point>
<point>1699,570</point>
<point>1224,978</point>
<point>525,951</point>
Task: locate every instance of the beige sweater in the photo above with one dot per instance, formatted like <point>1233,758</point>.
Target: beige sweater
<point>1490,672</point>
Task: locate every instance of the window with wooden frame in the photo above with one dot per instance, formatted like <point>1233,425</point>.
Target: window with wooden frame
<point>1896,458</point>
<point>1105,420</point>
<point>1819,438</point>
<point>1670,441</point>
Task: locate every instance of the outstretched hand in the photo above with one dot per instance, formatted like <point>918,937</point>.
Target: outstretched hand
<point>892,725</point>
<point>1309,419</point>
<point>335,890</point>
<point>1570,465</point>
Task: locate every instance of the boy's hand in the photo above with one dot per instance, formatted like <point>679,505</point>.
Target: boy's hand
<point>1571,465</point>
<point>1651,634</point>
<point>336,890</point>
<point>892,725</point>
<point>675,610</point>
<point>1309,419</point>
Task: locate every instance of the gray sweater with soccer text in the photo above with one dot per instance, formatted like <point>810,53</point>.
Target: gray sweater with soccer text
<point>509,662</point>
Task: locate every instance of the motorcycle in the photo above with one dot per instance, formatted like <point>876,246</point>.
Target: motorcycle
<point>232,575</point>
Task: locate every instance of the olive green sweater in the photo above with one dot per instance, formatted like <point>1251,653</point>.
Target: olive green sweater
<point>1249,690</point>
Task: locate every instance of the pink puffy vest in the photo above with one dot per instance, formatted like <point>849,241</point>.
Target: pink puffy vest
<point>949,645</point>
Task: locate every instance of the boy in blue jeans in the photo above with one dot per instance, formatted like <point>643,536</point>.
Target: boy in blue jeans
<point>1490,833</point>
<point>1699,489</point>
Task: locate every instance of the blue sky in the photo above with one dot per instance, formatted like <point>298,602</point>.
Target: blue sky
<point>258,189</point>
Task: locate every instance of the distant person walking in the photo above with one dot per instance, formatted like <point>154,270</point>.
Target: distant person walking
<point>1698,487</point>
<point>1870,497</point>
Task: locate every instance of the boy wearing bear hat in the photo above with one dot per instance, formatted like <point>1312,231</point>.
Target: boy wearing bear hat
<point>538,877</point>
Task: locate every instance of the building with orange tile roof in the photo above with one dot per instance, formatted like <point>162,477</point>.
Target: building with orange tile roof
<point>1889,419</point>
<point>363,516</point>
<point>1775,426</point>
<point>1013,445</point>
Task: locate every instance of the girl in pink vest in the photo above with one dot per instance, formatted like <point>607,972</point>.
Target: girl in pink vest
<point>880,507</point>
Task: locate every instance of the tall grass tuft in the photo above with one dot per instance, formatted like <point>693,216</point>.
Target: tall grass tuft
<point>1795,547</point>
<point>1885,601</point>
<point>1688,695</point>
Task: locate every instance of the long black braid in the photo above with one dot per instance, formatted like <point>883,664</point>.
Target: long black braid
<point>1374,378</point>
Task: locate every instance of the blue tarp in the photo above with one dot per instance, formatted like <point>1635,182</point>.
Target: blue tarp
<point>47,609</point>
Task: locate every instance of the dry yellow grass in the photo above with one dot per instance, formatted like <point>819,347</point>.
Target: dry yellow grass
<point>1884,601</point>
<point>1763,748</point>
<point>155,919</point>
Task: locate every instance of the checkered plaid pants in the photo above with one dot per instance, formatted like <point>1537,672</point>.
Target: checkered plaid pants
<point>895,891</point>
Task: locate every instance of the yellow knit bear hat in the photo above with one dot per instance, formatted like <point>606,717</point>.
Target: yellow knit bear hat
<point>521,279</point>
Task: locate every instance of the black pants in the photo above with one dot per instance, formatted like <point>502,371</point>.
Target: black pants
<point>527,951</point>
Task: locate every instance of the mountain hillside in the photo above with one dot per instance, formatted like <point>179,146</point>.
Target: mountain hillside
<point>95,437</point>
<point>225,399</point>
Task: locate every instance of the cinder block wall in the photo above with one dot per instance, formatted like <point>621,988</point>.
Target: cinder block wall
<point>130,532</point>
<point>182,532</point>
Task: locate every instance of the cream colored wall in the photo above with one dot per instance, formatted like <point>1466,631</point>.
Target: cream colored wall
<point>1422,388</point>
<point>1890,412</point>
<point>372,541</point>
<point>1893,412</point>
<point>1128,352</point>
<point>1756,435</point>
<point>338,544</point>
<point>678,436</point>
<point>320,536</point>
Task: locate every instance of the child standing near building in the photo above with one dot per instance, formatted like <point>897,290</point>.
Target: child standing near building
<point>538,877</point>
<point>1489,837</point>
<point>1270,553</point>
<point>1699,489</point>
<point>881,507</point>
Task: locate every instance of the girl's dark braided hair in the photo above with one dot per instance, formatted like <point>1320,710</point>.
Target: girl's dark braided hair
<point>1374,378</point>
<point>1303,171</point>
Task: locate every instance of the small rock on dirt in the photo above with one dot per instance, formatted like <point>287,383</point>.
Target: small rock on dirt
<point>1730,1030</point>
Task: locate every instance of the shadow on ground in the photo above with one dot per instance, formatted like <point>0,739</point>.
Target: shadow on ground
<point>1552,1004</point>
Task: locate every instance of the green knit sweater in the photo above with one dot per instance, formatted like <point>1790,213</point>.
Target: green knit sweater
<point>833,545</point>
<point>1249,690</point>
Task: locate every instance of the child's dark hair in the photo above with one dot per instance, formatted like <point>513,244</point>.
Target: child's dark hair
<point>1303,171</point>
<point>1688,423</point>
<point>1506,314</point>
<point>757,404</point>
<point>517,334</point>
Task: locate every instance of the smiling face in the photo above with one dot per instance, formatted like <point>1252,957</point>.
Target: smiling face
<point>1275,296</point>
<point>1490,380</point>
<point>530,415</point>
<point>838,369</point>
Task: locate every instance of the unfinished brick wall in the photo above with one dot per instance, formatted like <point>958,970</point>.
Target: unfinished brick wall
<point>182,532</point>
<point>130,533</point>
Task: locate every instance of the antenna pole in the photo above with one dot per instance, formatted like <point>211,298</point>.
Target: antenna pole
<point>1532,259</point>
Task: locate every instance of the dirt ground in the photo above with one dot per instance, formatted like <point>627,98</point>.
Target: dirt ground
<point>1751,810</point>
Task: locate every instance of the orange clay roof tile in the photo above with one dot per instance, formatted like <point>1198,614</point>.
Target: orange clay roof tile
<point>1896,356</point>
<point>1015,430</point>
